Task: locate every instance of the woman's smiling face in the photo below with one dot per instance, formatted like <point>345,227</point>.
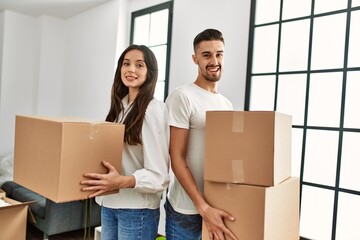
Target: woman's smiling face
<point>133,69</point>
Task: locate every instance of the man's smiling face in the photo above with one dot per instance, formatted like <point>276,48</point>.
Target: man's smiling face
<point>209,57</point>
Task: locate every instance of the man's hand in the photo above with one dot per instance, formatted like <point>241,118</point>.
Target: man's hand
<point>214,221</point>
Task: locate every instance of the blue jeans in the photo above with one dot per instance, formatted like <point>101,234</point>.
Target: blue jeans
<point>181,226</point>
<point>129,224</point>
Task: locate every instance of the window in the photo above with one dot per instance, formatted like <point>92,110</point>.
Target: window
<point>304,60</point>
<point>152,27</point>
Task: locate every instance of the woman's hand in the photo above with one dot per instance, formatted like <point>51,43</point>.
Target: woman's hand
<point>103,183</point>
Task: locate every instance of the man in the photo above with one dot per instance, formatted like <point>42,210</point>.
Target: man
<point>185,205</point>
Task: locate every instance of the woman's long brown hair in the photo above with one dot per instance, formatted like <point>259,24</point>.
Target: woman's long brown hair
<point>135,118</point>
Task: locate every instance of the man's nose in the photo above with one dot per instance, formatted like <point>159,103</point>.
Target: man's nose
<point>214,60</point>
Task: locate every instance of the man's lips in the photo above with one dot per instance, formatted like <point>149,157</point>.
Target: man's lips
<point>213,69</point>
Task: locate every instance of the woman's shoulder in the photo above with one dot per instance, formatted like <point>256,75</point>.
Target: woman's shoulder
<point>156,106</point>
<point>156,111</point>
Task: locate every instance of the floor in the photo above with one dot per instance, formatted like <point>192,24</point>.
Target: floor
<point>33,233</point>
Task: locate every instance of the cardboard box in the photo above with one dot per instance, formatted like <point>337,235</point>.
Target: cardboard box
<point>13,219</point>
<point>261,213</point>
<point>2,193</point>
<point>52,154</point>
<point>249,147</point>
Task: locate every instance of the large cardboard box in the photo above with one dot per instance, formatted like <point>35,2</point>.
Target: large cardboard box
<point>261,213</point>
<point>52,153</point>
<point>13,219</point>
<point>249,147</point>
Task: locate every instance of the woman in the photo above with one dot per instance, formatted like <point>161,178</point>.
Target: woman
<point>133,212</point>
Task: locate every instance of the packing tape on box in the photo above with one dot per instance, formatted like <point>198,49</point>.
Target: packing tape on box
<point>238,122</point>
<point>238,171</point>
<point>93,130</point>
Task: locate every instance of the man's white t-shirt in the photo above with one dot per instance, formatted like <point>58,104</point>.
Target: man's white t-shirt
<point>187,106</point>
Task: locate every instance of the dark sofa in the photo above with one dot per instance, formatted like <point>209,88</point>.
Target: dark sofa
<point>53,218</point>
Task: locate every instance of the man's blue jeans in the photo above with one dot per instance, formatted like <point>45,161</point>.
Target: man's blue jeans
<point>129,224</point>
<point>181,226</point>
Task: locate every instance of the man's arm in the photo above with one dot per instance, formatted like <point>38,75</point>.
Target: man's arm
<point>212,217</point>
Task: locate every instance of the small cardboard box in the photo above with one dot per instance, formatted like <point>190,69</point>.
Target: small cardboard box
<point>52,153</point>
<point>248,147</point>
<point>13,219</point>
<point>2,193</point>
<point>261,213</point>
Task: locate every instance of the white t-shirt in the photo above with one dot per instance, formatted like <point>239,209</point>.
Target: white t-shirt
<point>187,106</point>
<point>148,163</point>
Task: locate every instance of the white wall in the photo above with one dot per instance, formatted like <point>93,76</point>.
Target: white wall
<point>51,66</point>
<point>18,73</point>
<point>91,44</point>
<point>232,19</point>
<point>49,91</point>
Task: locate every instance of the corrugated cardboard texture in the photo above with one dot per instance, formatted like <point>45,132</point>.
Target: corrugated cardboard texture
<point>13,220</point>
<point>52,154</point>
<point>249,147</point>
<point>261,213</point>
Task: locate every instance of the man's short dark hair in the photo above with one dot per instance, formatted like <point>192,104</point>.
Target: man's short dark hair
<point>208,35</point>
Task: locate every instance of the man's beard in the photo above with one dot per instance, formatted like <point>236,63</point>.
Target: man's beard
<point>210,78</point>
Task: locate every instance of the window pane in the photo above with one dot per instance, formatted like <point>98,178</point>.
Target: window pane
<point>296,8</point>
<point>352,102</point>
<point>322,6</point>
<point>262,93</point>
<point>265,49</point>
<point>348,217</point>
<point>354,40</point>
<point>325,99</point>
<point>160,90</point>
<point>328,42</point>
<point>141,30</point>
<point>355,3</point>
<point>316,213</point>
<point>294,45</point>
<point>263,15</point>
<point>350,164</point>
<point>160,53</point>
<point>291,96</point>
<point>296,148</point>
<point>321,157</point>
<point>159,27</point>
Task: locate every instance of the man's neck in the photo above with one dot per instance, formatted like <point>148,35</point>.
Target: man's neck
<point>207,85</point>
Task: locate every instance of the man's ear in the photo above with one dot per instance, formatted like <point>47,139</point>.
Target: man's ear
<point>194,59</point>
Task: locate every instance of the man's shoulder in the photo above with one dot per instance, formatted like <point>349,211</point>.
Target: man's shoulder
<point>181,91</point>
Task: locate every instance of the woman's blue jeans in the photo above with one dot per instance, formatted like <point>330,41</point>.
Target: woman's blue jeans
<point>180,226</point>
<point>129,224</point>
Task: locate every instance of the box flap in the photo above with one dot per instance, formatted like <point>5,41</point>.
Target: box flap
<point>64,119</point>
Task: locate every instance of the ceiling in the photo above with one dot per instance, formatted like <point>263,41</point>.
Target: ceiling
<point>56,8</point>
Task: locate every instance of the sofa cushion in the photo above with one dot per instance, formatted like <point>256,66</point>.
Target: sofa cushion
<point>9,187</point>
<point>23,194</point>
